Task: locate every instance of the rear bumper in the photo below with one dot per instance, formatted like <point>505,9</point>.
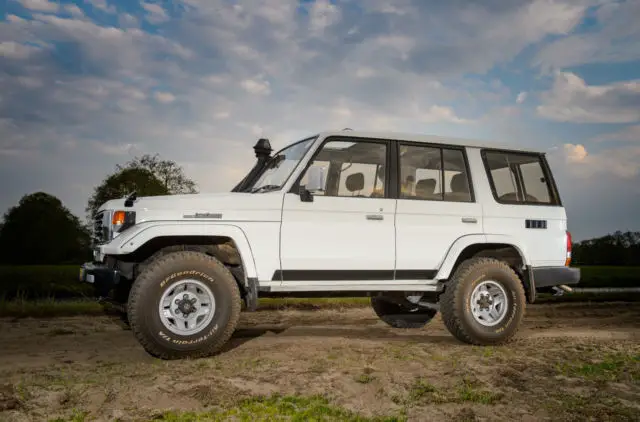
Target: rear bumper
<point>555,276</point>
<point>103,278</point>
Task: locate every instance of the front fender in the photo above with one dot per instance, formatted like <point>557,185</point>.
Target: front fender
<point>129,241</point>
<point>444,272</point>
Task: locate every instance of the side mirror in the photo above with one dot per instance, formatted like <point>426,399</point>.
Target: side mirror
<point>316,179</point>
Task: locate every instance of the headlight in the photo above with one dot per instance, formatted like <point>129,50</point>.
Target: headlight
<point>110,223</point>
<point>122,220</point>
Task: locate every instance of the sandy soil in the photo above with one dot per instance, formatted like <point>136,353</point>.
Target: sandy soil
<point>569,362</point>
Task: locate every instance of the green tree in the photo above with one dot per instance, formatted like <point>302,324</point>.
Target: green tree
<point>168,172</point>
<point>123,182</point>
<point>40,230</point>
<point>613,249</point>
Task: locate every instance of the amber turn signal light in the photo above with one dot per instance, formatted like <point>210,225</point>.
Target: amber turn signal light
<point>118,218</point>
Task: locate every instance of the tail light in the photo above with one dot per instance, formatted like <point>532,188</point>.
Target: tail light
<point>567,261</point>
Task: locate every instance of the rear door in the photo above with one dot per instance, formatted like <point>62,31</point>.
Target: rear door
<point>525,205</point>
<point>436,206</point>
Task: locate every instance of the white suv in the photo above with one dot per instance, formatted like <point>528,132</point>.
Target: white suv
<point>421,224</point>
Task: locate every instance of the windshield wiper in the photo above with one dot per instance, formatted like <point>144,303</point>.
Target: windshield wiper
<point>265,188</point>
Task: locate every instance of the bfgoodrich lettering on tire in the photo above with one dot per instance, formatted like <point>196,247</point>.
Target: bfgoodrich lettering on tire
<point>184,304</point>
<point>483,302</point>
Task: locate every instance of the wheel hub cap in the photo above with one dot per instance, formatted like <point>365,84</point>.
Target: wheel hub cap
<point>489,303</point>
<point>186,307</point>
<point>187,304</point>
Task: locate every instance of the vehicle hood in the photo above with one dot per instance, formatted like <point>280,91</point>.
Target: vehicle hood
<point>225,206</point>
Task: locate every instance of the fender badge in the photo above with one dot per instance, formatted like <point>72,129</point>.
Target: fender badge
<point>202,215</point>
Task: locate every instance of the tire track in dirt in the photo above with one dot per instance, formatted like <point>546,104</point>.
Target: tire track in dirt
<point>32,343</point>
<point>51,367</point>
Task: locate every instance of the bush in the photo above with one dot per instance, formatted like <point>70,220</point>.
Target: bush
<point>42,281</point>
<point>596,276</point>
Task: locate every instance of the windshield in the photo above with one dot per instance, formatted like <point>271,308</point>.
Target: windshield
<point>279,167</point>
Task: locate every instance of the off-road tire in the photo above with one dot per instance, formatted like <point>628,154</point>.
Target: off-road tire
<point>398,316</point>
<point>455,302</point>
<point>148,288</point>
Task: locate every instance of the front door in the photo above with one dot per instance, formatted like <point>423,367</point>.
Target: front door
<point>345,234</point>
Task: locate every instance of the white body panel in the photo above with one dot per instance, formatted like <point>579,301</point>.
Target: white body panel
<point>337,233</point>
<point>251,221</point>
<point>505,223</point>
<point>427,229</point>
<point>544,248</point>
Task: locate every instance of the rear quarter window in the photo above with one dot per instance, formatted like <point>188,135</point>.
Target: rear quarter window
<point>520,178</point>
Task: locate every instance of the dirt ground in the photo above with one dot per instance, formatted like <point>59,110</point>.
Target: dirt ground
<point>569,362</point>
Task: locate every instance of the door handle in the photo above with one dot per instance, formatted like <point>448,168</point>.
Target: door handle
<point>469,220</point>
<point>375,217</point>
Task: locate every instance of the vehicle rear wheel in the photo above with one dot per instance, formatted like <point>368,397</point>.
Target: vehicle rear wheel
<point>484,302</point>
<point>399,316</point>
<point>184,304</point>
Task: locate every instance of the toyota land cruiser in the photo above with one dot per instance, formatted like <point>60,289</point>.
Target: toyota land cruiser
<point>420,224</point>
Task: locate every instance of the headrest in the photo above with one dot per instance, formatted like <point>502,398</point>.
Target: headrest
<point>355,182</point>
<point>425,187</point>
<point>459,183</point>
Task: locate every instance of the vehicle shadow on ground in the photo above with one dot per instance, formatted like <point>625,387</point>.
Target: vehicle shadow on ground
<point>247,334</point>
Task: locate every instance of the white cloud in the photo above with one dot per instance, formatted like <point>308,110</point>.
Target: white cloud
<point>74,10</point>
<point>40,5</point>
<point>256,86</point>
<point>397,7</point>
<point>156,13</point>
<point>623,163</point>
<point>117,150</point>
<point>437,113</point>
<point>575,153</point>
<point>29,82</point>
<point>613,39</point>
<point>322,15</point>
<point>102,5</point>
<point>628,134</point>
<point>164,97</point>
<point>571,99</point>
<point>14,50</point>
<point>14,19</point>
<point>494,32</point>
<point>521,98</point>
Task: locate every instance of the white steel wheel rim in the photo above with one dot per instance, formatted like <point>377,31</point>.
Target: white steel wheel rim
<point>489,303</point>
<point>187,307</point>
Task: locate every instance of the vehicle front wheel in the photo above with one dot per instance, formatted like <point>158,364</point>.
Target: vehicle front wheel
<point>398,316</point>
<point>184,304</point>
<point>484,302</point>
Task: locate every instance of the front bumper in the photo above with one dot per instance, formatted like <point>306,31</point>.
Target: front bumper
<point>555,276</point>
<point>103,278</point>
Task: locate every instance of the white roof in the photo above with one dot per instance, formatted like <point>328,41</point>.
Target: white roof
<point>434,139</point>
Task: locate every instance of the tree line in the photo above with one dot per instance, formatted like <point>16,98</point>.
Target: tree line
<point>618,249</point>
<point>40,230</point>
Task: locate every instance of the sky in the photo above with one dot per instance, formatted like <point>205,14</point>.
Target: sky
<point>90,84</point>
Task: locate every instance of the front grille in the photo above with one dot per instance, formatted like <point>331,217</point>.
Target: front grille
<point>100,232</point>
